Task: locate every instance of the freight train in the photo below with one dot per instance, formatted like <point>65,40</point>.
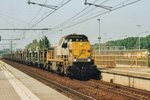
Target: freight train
<point>71,57</point>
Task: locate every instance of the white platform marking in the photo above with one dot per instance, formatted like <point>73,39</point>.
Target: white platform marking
<point>23,92</point>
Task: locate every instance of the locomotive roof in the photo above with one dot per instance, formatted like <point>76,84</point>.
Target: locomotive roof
<point>76,36</point>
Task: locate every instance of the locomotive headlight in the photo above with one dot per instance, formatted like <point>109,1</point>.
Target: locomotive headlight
<point>74,60</point>
<point>89,60</point>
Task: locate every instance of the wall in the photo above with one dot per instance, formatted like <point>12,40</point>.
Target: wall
<point>131,81</point>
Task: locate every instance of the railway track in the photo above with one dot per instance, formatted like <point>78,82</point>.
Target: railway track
<point>134,94</point>
<point>119,89</point>
<point>139,94</point>
<point>61,88</point>
<point>86,90</point>
<point>75,95</point>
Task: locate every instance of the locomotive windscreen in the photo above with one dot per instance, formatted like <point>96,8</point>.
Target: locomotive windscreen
<point>77,38</point>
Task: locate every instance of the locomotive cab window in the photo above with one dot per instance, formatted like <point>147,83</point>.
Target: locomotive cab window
<point>77,38</point>
<point>74,38</point>
<point>64,45</point>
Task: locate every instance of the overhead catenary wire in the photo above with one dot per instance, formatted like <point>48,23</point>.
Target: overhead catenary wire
<point>102,10</point>
<point>96,15</point>
<point>115,7</point>
<point>75,15</point>
<point>31,27</point>
<point>38,12</point>
<point>60,4</point>
<point>85,13</point>
<point>56,30</point>
<point>13,18</point>
<point>99,14</point>
<point>6,21</point>
<point>10,29</point>
<point>35,16</point>
<point>50,13</point>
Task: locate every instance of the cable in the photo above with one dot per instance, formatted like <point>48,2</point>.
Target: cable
<point>47,12</point>
<point>35,16</point>
<point>59,4</point>
<point>121,3</point>
<point>13,18</point>
<point>44,17</point>
<point>98,14</point>
<point>88,11</point>
<point>75,18</point>
<point>121,6</point>
<point>50,13</point>
<point>76,14</point>
<point>102,14</point>
<point>7,22</point>
<point>104,10</point>
<point>92,10</point>
<point>41,17</point>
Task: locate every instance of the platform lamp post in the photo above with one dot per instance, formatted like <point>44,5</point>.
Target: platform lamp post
<point>139,26</point>
<point>99,37</point>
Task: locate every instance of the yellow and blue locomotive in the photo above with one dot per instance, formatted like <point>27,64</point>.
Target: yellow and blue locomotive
<point>71,57</point>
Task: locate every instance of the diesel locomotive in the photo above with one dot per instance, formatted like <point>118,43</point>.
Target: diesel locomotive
<point>71,57</point>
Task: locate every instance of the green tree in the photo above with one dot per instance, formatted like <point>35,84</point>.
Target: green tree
<point>129,43</point>
<point>42,44</point>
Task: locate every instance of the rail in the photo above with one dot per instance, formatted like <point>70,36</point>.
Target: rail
<point>57,86</point>
<point>97,88</point>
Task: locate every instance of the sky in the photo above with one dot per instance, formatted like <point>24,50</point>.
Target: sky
<point>116,24</point>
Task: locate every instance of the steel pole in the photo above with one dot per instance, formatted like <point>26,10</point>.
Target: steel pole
<point>99,38</point>
<point>139,37</point>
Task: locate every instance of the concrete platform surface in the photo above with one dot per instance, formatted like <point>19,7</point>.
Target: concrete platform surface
<point>132,77</point>
<point>135,72</point>
<point>16,85</point>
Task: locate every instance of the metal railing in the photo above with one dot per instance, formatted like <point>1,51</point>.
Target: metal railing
<point>121,58</point>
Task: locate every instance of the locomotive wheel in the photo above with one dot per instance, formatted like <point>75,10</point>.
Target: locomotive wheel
<point>60,70</point>
<point>48,68</point>
<point>44,67</point>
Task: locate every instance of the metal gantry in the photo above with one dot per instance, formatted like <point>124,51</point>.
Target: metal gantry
<point>24,29</point>
<point>43,5</point>
<point>101,6</point>
<point>11,43</point>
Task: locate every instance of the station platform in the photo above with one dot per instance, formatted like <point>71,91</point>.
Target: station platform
<point>16,85</point>
<point>132,77</point>
<point>134,72</point>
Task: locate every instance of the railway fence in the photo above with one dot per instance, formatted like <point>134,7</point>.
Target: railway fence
<point>121,58</point>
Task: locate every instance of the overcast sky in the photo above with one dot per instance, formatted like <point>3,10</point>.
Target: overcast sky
<point>114,25</point>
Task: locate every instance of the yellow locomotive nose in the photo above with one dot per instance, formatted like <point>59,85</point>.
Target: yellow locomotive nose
<point>81,44</point>
<point>80,49</point>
